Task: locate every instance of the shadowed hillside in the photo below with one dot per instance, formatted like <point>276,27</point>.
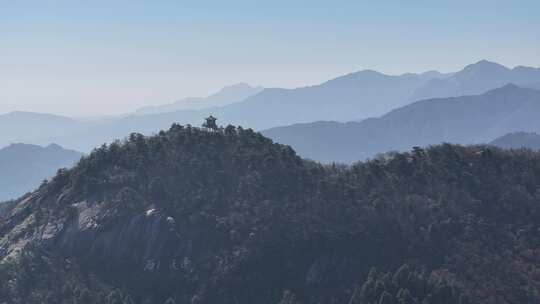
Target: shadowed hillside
<point>228,216</point>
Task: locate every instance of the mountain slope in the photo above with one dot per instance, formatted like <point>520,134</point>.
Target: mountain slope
<point>225,96</point>
<point>518,140</point>
<point>194,216</point>
<point>24,167</point>
<point>466,120</point>
<point>476,79</point>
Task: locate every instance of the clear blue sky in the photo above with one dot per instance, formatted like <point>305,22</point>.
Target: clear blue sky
<point>98,57</point>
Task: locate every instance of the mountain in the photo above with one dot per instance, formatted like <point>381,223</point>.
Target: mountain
<point>360,94</point>
<point>476,79</point>
<point>466,120</point>
<point>225,96</point>
<point>228,216</point>
<point>23,167</point>
<point>518,140</point>
<point>33,127</point>
<point>347,98</point>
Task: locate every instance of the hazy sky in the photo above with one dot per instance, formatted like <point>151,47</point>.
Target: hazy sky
<point>97,57</point>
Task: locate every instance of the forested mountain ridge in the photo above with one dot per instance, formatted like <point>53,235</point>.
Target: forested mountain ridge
<point>464,120</point>
<point>228,216</point>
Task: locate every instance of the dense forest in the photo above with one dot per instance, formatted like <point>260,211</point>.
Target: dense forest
<point>224,215</point>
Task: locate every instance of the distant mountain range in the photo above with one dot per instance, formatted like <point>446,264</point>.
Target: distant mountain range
<point>464,120</point>
<point>356,95</point>
<point>361,94</point>
<point>347,98</point>
<point>225,96</point>
<point>476,79</point>
<point>30,127</point>
<point>23,167</point>
<point>518,140</point>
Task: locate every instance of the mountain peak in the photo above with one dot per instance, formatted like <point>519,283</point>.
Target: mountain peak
<point>240,85</point>
<point>240,88</point>
<point>225,96</point>
<point>54,146</point>
<point>356,77</point>
<point>510,87</point>
<point>485,65</point>
<point>476,79</point>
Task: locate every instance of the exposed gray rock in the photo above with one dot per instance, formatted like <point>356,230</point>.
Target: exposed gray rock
<point>146,237</point>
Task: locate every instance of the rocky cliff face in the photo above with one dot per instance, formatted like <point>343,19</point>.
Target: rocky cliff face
<point>143,240</point>
<point>90,232</point>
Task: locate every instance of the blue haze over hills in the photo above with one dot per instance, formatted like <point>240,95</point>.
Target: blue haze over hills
<point>346,119</point>
<point>474,119</point>
<point>23,167</point>
<point>351,97</point>
<point>363,152</point>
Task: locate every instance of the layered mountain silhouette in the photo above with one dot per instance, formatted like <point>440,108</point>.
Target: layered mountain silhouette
<point>31,127</point>
<point>347,98</point>
<point>227,216</point>
<point>518,140</point>
<point>23,167</point>
<point>476,79</point>
<point>464,120</point>
<point>357,95</point>
<point>361,94</point>
<point>225,96</point>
